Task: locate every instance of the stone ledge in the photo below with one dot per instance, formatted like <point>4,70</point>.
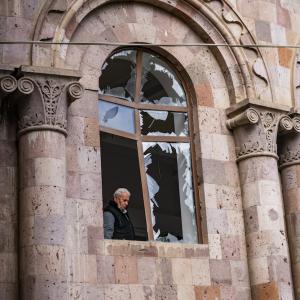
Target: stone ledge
<point>154,249</point>
<point>238,107</point>
<point>50,71</point>
<point>7,68</point>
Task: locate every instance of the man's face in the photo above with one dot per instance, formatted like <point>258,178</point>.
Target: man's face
<point>122,201</point>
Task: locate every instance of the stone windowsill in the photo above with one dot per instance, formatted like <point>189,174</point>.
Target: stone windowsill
<point>154,249</point>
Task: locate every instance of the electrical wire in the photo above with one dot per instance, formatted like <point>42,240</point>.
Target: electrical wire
<point>148,44</point>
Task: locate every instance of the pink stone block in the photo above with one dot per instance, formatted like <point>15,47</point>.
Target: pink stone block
<point>142,292</point>
<point>182,271</point>
<point>73,185</point>
<point>240,273</point>
<point>116,292</point>
<point>88,159</point>
<point>75,131</point>
<point>49,171</point>
<point>87,106</point>
<point>42,144</point>
<point>230,245</point>
<point>209,120</point>
<point>8,267</point>
<point>167,292</point>
<point>185,292</point>
<point>126,269</point>
<point>164,271</point>
<point>147,273</point>
<point>90,186</point>
<point>220,272</point>
<point>42,201</point>
<point>200,272</point>
<point>106,269</point>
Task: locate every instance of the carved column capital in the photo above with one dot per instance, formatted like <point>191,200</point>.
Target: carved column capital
<point>75,91</point>
<point>8,84</point>
<point>247,117</point>
<point>45,102</point>
<point>255,128</point>
<point>289,145</point>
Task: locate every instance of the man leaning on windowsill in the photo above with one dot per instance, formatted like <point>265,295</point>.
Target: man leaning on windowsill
<point>117,224</point>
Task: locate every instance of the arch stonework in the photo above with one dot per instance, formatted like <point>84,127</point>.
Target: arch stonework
<point>236,164</point>
<point>212,21</point>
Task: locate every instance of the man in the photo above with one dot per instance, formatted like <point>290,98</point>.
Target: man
<point>117,224</point>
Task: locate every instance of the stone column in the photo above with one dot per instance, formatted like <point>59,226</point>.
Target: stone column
<point>42,113</point>
<point>255,129</point>
<point>8,191</point>
<point>289,162</point>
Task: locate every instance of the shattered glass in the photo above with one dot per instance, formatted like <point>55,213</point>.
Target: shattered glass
<point>163,123</point>
<point>169,180</point>
<point>119,75</point>
<point>116,116</point>
<point>160,84</point>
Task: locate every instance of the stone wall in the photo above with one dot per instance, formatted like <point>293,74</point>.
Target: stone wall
<point>237,198</point>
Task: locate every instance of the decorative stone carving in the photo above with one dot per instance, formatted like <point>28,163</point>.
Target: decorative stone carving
<point>224,10</point>
<point>256,128</point>
<point>285,125</point>
<point>75,91</point>
<point>249,116</point>
<point>8,84</point>
<point>296,123</point>
<point>289,145</point>
<point>45,107</point>
<point>51,92</point>
<point>25,86</point>
<point>290,156</point>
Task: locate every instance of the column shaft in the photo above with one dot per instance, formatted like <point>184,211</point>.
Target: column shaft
<point>42,221</point>
<point>290,176</point>
<point>267,245</point>
<point>291,191</point>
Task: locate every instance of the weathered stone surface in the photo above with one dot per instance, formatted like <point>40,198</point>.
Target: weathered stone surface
<point>266,291</point>
<point>214,79</point>
<point>207,292</point>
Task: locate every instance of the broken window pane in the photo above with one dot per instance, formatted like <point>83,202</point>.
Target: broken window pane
<point>118,75</point>
<point>154,122</point>
<point>120,168</point>
<point>159,83</point>
<point>169,180</point>
<point>116,116</point>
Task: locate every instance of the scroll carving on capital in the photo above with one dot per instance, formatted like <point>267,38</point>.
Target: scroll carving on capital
<point>8,84</point>
<point>46,104</point>
<point>256,129</point>
<point>289,145</point>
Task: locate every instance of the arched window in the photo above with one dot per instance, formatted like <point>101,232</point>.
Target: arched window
<point>146,144</point>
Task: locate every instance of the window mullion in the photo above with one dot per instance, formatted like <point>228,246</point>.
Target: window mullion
<point>197,198</point>
<point>143,177</point>
<point>138,82</point>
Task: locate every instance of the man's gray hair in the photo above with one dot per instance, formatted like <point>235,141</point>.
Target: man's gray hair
<point>120,191</point>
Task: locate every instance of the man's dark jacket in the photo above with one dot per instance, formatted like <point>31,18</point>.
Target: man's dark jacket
<point>123,228</point>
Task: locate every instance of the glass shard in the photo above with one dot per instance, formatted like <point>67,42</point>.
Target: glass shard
<point>160,84</point>
<point>163,123</point>
<point>118,75</point>
<point>169,179</point>
<point>116,116</point>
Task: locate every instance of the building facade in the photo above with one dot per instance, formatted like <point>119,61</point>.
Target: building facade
<point>205,137</point>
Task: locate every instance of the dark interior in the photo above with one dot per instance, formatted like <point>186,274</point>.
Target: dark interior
<point>120,168</point>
